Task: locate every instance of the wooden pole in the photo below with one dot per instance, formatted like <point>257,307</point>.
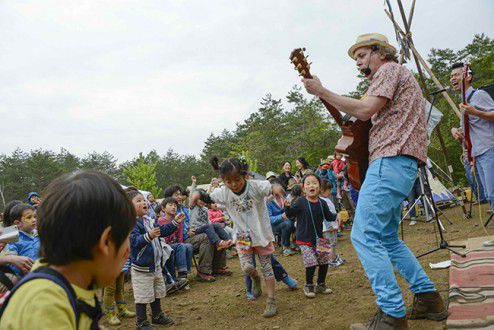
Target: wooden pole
<point>429,71</point>
<point>418,62</point>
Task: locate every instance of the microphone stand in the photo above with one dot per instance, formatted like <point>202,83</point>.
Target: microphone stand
<point>443,244</point>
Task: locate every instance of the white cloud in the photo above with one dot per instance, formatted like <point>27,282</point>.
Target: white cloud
<point>130,76</point>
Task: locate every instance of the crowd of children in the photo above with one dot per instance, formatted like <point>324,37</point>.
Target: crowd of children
<point>111,233</point>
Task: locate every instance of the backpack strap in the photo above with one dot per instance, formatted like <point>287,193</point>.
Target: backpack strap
<point>4,278</point>
<point>78,306</point>
<point>470,96</point>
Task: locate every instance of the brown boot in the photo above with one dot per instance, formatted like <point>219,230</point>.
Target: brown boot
<point>428,305</point>
<point>382,321</point>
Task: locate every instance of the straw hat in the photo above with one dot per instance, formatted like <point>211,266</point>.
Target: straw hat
<point>369,39</point>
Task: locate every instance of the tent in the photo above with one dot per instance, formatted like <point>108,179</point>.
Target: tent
<point>440,193</point>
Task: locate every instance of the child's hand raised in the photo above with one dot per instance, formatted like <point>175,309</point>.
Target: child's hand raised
<point>155,232</point>
<point>193,179</point>
<point>180,217</point>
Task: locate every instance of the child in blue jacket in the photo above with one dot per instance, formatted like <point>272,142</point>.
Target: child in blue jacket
<point>24,216</point>
<point>147,257</point>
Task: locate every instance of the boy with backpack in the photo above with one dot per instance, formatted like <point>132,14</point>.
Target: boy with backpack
<point>84,225</point>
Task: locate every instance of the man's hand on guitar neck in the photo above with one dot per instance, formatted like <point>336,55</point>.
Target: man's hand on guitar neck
<point>362,109</point>
<point>314,86</point>
<point>457,133</point>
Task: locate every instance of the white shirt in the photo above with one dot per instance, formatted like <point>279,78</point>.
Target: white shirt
<point>248,210</point>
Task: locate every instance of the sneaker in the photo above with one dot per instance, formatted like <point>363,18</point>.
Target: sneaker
<point>288,252</point>
<point>202,277</point>
<point>413,222</point>
<point>144,325</point>
<point>186,288</point>
<point>181,283</point>
<point>123,312</point>
<point>256,286</point>
<point>321,288</point>
<point>381,320</point>
<point>250,296</point>
<point>290,282</point>
<point>309,290</point>
<point>171,288</point>
<point>111,316</point>
<point>224,245</point>
<point>271,308</point>
<point>223,272</point>
<point>162,319</point>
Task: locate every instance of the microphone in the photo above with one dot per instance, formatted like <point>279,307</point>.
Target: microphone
<point>440,90</point>
<point>367,71</point>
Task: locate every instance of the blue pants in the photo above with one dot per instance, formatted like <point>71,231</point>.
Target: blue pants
<point>285,228</point>
<point>214,231</point>
<point>375,233</point>
<point>182,255</point>
<point>485,165</point>
<point>473,183</point>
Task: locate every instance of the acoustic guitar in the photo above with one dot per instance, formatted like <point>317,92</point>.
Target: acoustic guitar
<point>354,143</point>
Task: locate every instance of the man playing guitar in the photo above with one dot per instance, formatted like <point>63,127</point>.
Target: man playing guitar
<point>397,142</point>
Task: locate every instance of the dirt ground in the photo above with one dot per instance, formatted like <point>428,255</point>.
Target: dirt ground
<point>222,304</point>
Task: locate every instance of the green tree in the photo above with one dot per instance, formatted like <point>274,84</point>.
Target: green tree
<point>103,162</point>
<point>142,175</point>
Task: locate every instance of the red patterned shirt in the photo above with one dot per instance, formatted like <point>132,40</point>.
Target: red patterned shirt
<point>399,128</point>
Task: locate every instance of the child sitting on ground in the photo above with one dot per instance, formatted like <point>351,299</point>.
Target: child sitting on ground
<point>217,216</point>
<point>84,225</point>
<point>182,252</point>
<point>311,212</point>
<point>244,200</point>
<point>9,277</point>
<point>200,223</point>
<point>147,257</point>
<point>25,218</point>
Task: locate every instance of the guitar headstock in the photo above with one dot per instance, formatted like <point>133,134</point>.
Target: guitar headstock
<point>298,58</point>
<point>466,72</point>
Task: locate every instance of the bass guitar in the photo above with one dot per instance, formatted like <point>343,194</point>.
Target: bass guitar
<point>466,124</point>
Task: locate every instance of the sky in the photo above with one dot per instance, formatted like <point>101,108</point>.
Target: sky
<point>133,76</point>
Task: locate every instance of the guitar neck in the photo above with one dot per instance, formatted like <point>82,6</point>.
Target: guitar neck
<point>332,110</point>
